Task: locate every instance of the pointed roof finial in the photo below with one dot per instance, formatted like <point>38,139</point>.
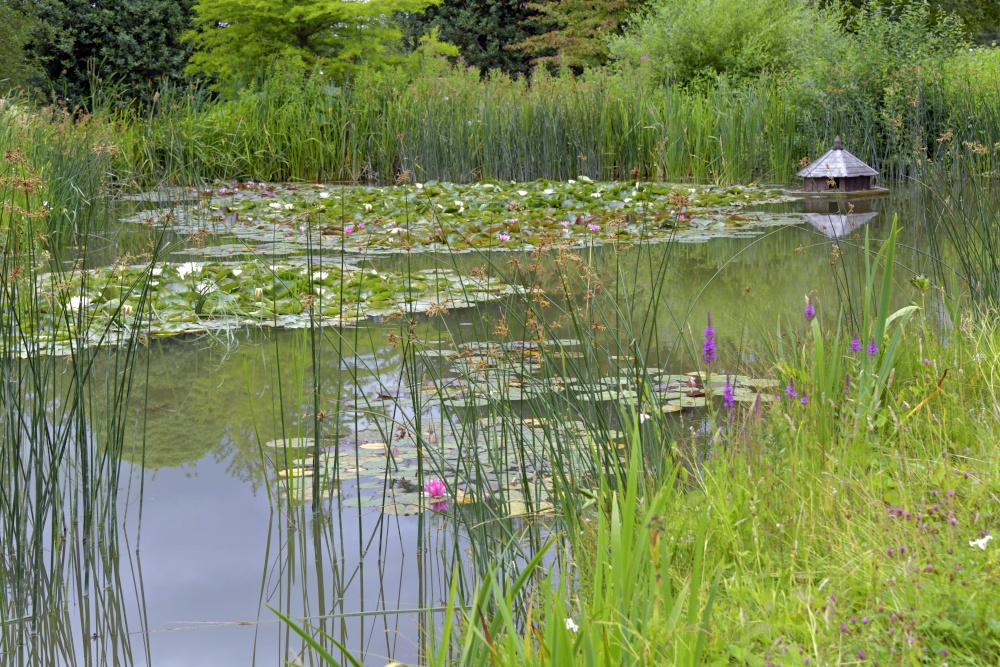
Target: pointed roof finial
<point>837,146</point>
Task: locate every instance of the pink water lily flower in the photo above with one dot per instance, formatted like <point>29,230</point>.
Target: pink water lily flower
<point>434,489</point>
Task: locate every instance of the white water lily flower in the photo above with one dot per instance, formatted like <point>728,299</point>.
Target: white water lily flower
<point>547,191</point>
<point>324,195</point>
<point>572,626</point>
<point>157,270</point>
<point>78,302</point>
<point>628,199</point>
<point>275,205</point>
<point>643,417</point>
<point>420,186</point>
<point>522,192</point>
<point>368,207</point>
<point>459,203</point>
<point>186,269</point>
<point>395,230</point>
<point>237,272</point>
<point>571,182</point>
<point>206,287</point>
<point>981,542</point>
<point>289,206</point>
<point>321,276</point>
<point>692,190</point>
<point>595,194</point>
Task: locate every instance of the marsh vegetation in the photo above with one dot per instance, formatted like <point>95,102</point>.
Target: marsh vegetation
<point>361,354</point>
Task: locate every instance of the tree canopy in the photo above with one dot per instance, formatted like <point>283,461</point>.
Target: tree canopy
<point>576,31</point>
<point>481,29</point>
<point>132,44</point>
<point>233,35</point>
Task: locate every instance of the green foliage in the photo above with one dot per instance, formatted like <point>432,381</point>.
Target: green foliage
<point>235,37</point>
<point>688,40</point>
<point>483,31</point>
<point>130,46</point>
<point>18,22</point>
<point>576,30</point>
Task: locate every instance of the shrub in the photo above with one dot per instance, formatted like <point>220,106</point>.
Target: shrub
<point>688,40</point>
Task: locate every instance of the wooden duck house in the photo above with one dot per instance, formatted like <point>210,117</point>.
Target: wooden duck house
<point>837,172</point>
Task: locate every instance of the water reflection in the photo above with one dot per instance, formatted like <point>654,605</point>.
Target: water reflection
<point>839,218</point>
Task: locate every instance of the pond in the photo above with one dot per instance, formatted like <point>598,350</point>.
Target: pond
<point>225,527</point>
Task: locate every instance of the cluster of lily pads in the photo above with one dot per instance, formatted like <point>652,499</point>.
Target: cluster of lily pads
<point>458,217</point>
<point>108,305</point>
<point>489,453</point>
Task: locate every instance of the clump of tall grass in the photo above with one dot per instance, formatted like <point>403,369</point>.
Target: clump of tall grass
<point>451,124</point>
<point>64,420</point>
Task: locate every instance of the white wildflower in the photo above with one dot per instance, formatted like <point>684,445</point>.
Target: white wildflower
<point>981,542</point>
<point>78,302</point>
<point>570,625</point>
<point>186,269</point>
<point>157,270</point>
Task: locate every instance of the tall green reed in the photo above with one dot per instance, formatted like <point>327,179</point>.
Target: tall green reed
<point>66,404</point>
<point>451,124</point>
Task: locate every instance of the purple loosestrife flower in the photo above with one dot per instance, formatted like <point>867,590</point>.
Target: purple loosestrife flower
<point>708,349</point>
<point>872,348</point>
<point>856,344</point>
<point>847,384</point>
<point>790,391</point>
<point>804,400</point>
<point>810,310</point>
<point>727,394</point>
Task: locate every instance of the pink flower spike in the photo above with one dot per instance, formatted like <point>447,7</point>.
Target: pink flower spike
<point>434,489</point>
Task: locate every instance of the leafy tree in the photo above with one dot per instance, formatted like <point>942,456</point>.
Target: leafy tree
<point>481,29</point>
<point>231,36</point>
<point>577,30</point>
<point>980,18</point>
<point>18,21</point>
<point>131,45</point>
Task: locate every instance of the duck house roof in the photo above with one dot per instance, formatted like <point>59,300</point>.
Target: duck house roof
<point>837,163</point>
